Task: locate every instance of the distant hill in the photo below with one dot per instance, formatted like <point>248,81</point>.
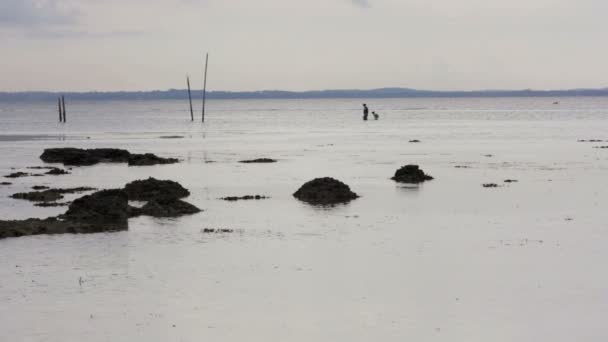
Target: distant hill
<point>181,94</point>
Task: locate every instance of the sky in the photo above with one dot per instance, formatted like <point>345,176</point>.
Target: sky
<point>108,45</point>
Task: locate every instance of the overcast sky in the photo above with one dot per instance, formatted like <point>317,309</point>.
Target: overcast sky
<point>303,44</point>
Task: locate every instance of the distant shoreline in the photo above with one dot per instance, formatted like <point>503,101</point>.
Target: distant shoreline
<point>182,94</point>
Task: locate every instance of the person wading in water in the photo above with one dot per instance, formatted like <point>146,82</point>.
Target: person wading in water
<point>365,112</point>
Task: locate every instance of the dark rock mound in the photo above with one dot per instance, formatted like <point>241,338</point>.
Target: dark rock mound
<point>259,160</point>
<point>40,187</point>
<point>6,183</point>
<point>106,207</point>
<point>148,159</point>
<point>57,171</point>
<point>167,207</point>
<point>151,188</point>
<point>82,157</point>
<point>244,198</point>
<point>411,174</point>
<point>325,191</point>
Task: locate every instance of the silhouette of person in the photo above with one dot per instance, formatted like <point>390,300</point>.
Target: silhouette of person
<point>365,112</point>
<point>376,116</point>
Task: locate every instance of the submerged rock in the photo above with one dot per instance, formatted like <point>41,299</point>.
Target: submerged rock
<point>57,171</point>
<point>49,195</point>
<point>87,157</point>
<point>151,188</point>
<point>490,185</point>
<point>259,160</point>
<point>40,187</point>
<point>325,191</point>
<point>511,181</point>
<point>149,159</point>
<point>17,175</point>
<point>244,198</point>
<point>6,183</point>
<point>411,174</point>
<point>217,230</point>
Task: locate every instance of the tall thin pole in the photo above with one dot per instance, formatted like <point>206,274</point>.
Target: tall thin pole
<point>205,85</point>
<point>59,105</point>
<point>63,103</point>
<point>190,98</point>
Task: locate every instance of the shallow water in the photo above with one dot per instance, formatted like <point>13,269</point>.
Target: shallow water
<point>448,260</point>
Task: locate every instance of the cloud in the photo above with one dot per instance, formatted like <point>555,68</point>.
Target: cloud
<point>36,13</point>
<point>361,3</point>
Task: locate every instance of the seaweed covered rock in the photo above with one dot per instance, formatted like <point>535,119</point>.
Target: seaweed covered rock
<point>325,191</point>
<point>411,174</point>
<point>148,159</point>
<point>152,188</point>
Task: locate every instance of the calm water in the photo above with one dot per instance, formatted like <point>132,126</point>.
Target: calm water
<point>445,261</point>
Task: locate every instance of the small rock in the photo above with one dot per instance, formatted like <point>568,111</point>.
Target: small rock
<point>56,172</point>
<point>511,181</point>
<point>243,198</point>
<point>259,160</point>
<point>490,185</point>
<point>325,191</point>
<point>6,183</point>
<point>18,175</point>
<point>411,174</point>
<point>149,159</point>
<point>414,141</point>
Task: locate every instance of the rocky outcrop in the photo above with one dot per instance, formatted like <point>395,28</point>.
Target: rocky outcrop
<point>325,191</point>
<point>411,174</point>
<point>87,157</point>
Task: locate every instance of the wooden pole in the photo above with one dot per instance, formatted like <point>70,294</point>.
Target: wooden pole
<point>190,99</point>
<point>59,105</point>
<point>63,104</point>
<point>205,86</point>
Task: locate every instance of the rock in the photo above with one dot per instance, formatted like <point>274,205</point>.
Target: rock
<point>40,187</point>
<point>106,207</point>
<point>168,207</point>
<point>82,157</point>
<point>243,198</point>
<point>148,159</point>
<point>172,137</point>
<point>6,183</point>
<point>600,147</point>
<point>325,191</point>
<point>462,167</point>
<point>217,230</point>
<point>414,141</point>
<point>102,211</point>
<point>49,195</point>
<point>57,171</point>
<point>411,174</point>
<point>52,204</point>
<point>151,188</point>
<point>41,167</point>
<point>490,185</point>
<point>259,160</point>
<point>18,175</point>
<point>511,181</point>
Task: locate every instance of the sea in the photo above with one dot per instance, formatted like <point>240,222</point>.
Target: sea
<point>446,260</point>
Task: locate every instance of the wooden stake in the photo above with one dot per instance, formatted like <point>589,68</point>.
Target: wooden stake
<point>205,86</point>
<point>190,99</point>
<point>63,104</point>
<point>59,105</point>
